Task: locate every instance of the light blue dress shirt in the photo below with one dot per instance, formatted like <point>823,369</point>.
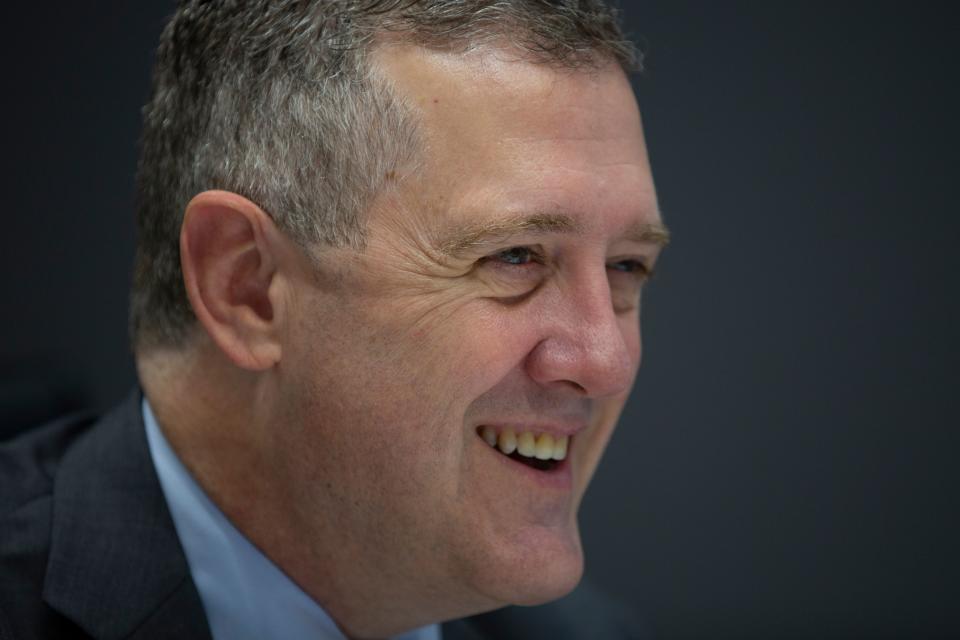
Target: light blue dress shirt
<point>244,594</point>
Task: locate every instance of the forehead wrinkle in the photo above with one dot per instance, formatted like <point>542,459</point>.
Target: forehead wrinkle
<point>473,236</point>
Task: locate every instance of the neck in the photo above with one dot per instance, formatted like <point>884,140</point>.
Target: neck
<point>209,413</point>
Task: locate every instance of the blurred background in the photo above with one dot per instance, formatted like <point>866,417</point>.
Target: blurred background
<point>787,465</point>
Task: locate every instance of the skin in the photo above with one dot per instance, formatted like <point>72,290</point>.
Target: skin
<point>330,401</point>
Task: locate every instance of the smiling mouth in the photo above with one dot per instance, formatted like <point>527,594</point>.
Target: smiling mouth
<point>540,451</point>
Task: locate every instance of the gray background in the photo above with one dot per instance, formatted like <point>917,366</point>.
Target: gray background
<point>785,468</point>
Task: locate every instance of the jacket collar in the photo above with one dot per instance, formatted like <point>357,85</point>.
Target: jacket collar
<point>116,567</point>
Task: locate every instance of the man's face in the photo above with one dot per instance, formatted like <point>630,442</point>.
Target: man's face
<point>499,290</point>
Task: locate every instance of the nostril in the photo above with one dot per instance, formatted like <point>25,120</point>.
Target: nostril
<point>576,386</point>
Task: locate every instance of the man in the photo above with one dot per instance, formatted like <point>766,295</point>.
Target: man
<point>385,315</point>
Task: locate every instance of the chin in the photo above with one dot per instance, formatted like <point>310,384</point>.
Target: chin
<point>548,590</point>
<point>534,574</point>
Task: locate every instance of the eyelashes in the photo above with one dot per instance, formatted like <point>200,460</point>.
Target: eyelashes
<point>523,257</point>
<point>635,267</point>
<point>517,256</point>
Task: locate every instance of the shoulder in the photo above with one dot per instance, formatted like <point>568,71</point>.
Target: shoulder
<point>28,466</point>
<point>29,461</point>
<point>87,544</point>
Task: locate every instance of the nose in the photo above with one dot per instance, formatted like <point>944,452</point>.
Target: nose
<point>585,345</point>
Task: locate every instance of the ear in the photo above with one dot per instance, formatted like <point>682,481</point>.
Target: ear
<point>229,257</point>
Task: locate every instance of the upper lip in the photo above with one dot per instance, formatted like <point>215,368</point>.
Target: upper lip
<point>537,425</point>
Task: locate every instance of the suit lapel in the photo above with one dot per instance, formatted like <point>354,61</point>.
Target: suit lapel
<point>116,567</point>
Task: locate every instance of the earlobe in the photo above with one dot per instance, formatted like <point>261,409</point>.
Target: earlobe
<point>229,265</point>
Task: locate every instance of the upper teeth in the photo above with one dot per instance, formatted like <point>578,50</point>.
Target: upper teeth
<point>527,443</point>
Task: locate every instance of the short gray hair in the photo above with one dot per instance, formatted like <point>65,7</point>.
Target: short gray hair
<point>274,100</point>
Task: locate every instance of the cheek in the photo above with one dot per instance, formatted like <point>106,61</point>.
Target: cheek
<point>464,345</point>
<point>630,330</point>
<point>399,374</point>
<point>593,443</point>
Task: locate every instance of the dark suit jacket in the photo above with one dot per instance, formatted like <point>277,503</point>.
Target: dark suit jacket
<point>88,547</point>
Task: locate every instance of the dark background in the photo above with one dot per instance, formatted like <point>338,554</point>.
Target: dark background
<point>785,468</point>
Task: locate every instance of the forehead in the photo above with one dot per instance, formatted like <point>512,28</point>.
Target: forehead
<point>505,136</point>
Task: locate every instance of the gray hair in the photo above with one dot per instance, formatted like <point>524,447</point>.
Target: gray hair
<point>274,100</point>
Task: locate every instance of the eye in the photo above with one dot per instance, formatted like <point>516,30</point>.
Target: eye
<point>513,272</point>
<point>630,266</point>
<point>516,256</point>
<point>627,279</point>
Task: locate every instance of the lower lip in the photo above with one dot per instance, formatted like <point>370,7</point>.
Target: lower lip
<point>560,478</point>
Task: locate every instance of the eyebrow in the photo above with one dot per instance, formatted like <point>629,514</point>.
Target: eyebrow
<point>473,237</point>
<point>649,232</point>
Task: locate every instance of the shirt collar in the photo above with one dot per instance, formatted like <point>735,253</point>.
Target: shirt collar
<point>244,594</point>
